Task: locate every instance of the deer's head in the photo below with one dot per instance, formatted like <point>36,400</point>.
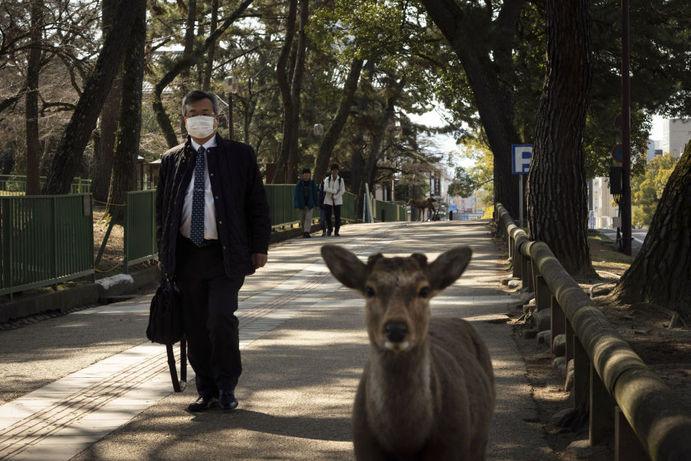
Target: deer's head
<point>397,290</point>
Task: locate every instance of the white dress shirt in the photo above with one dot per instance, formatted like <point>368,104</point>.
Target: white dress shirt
<point>210,231</point>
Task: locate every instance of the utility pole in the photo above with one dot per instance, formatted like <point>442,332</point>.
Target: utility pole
<point>625,205</point>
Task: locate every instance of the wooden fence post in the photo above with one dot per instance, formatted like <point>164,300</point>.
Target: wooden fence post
<point>601,412</point>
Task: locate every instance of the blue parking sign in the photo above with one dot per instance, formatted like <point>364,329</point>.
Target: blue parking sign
<point>520,158</point>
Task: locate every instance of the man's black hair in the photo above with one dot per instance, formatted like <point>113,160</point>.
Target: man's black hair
<point>198,95</point>
<point>334,166</point>
<point>306,170</point>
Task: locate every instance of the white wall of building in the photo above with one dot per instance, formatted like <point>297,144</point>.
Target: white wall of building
<point>676,133</point>
<point>603,213</point>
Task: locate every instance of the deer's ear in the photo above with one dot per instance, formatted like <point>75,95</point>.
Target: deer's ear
<point>420,258</point>
<point>373,259</point>
<point>345,266</point>
<point>448,267</point>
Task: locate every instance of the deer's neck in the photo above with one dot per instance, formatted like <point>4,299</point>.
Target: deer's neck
<point>401,395</point>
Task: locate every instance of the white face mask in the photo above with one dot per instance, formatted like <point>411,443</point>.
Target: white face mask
<point>200,126</point>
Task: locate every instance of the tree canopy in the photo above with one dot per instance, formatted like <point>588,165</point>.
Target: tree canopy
<point>399,60</point>
<point>647,189</point>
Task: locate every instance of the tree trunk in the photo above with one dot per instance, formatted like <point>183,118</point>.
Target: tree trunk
<point>493,100</point>
<point>248,114</point>
<point>33,144</point>
<point>206,84</point>
<point>104,152</point>
<point>296,88</point>
<point>76,135</point>
<point>190,28</point>
<point>181,64</point>
<point>661,272</point>
<point>334,132</point>
<point>104,149</point>
<point>127,149</point>
<point>290,84</point>
<point>378,137</point>
<point>357,170</point>
<point>284,87</point>
<point>557,192</point>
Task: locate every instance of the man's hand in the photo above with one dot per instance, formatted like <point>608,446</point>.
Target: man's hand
<point>160,266</point>
<point>259,260</point>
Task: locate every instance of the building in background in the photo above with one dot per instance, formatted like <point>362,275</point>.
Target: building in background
<point>603,212</point>
<point>384,192</point>
<point>467,208</point>
<point>653,149</point>
<point>676,133</point>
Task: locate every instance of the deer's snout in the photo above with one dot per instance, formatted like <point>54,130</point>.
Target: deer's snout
<point>396,331</point>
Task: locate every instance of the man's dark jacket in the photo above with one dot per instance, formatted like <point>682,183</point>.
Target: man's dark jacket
<point>299,194</point>
<point>242,211</point>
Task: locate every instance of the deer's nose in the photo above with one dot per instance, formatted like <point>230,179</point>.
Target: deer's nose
<point>396,331</point>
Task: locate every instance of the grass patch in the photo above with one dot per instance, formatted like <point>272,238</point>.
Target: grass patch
<point>605,255</point>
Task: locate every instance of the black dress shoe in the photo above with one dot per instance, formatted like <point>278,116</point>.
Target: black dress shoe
<point>203,403</point>
<point>227,400</point>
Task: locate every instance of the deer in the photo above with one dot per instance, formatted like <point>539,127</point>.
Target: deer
<point>427,389</point>
<point>422,204</point>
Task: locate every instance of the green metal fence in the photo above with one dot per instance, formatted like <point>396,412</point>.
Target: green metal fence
<point>44,240</point>
<point>349,209</point>
<point>16,185</point>
<point>280,198</point>
<point>389,211</point>
<point>140,225</point>
<point>140,228</point>
<point>282,212</point>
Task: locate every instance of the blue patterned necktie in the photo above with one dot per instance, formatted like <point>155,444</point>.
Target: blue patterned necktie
<point>197,225</point>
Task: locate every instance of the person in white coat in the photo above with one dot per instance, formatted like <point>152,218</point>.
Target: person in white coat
<point>334,188</point>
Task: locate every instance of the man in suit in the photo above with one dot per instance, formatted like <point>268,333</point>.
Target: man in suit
<point>213,227</point>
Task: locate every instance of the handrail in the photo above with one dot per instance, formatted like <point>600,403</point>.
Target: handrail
<point>650,408</point>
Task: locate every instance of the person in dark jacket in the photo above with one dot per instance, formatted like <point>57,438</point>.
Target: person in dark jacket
<point>213,230</point>
<point>305,198</point>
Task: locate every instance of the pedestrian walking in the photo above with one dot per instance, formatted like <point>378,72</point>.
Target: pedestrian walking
<point>305,198</point>
<point>334,188</point>
<point>322,213</point>
<point>213,230</point>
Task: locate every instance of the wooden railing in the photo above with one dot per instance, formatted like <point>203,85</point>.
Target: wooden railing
<point>622,396</point>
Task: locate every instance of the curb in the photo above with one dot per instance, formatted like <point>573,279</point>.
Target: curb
<point>281,236</point>
<point>92,293</point>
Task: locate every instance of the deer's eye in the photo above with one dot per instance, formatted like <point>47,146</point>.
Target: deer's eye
<point>424,292</point>
<point>369,291</point>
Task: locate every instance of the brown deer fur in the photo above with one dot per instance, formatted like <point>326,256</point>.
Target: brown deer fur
<point>422,204</point>
<point>427,390</point>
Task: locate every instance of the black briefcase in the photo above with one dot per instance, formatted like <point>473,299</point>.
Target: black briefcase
<point>166,327</point>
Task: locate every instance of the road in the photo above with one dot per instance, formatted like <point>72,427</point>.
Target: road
<point>638,236</point>
<point>88,386</point>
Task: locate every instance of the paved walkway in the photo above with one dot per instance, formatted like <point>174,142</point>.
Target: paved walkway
<point>88,386</point>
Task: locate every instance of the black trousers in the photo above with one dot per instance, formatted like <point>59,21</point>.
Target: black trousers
<point>209,300</point>
<point>337,217</point>
<point>322,218</point>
